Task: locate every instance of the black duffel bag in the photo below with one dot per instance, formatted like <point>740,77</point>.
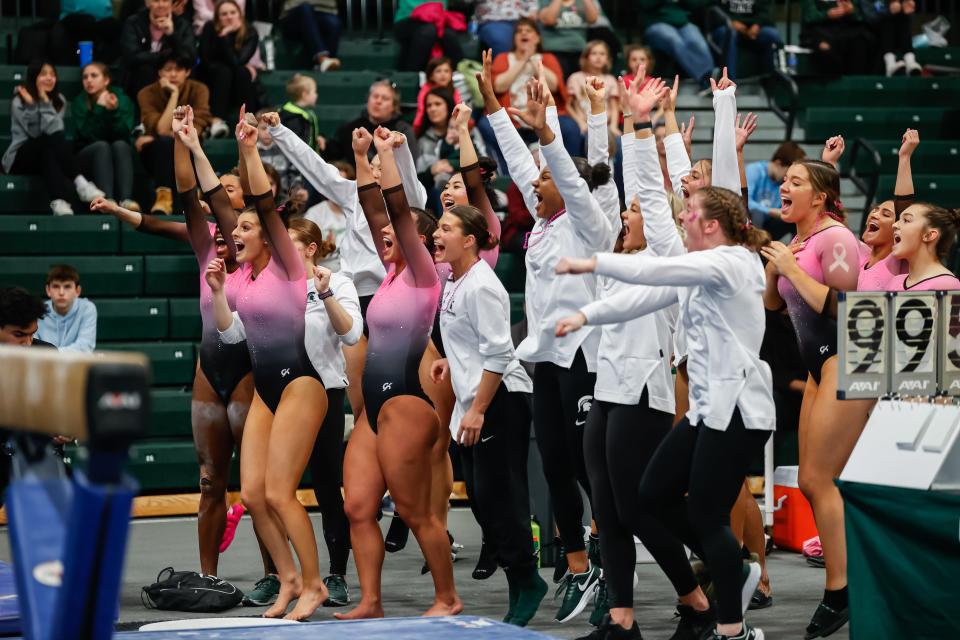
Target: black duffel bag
<point>190,591</point>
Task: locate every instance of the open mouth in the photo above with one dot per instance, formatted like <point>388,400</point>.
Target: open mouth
<point>447,201</point>
<point>240,245</point>
<point>873,227</point>
<point>785,203</point>
<point>387,242</point>
<point>896,238</point>
<point>438,249</point>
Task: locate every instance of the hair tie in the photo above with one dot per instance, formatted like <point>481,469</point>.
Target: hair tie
<point>282,207</point>
<point>746,226</point>
<point>838,204</point>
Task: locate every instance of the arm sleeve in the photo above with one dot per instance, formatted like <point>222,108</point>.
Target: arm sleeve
<point>324,177</point>
<point>839,254</point>
<point>901,202</point>
<point>419,261</point>
<point>598,152</point>
<point>235,333</point>
<point>375,211</point>
<point>553,121</point>
<point>149,114</point>
<point>493,327</point>
<point>726,171</point>
<point>576,194</point>
<point>523,170</point>
<point>284,253</point>
<point>346,294</point>
<point>699,268</point>
<point>629,304</point>
<point>86,340</point>
<point>678,162</point>
<point>164,228</point>
<point>631,186</point>
<point>123,118</point>
<point>477,196</point>
<point>224,214</point>
<point>416,194</point>
<point>659,227</point>
<point>197,228</point>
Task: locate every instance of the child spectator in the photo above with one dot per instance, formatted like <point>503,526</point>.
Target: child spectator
<point>314,23</point>
<point>298,113</point>
<point>763,185</point>
<point>841,42</point>
<point>753,29</point>
<point>439,74</point>
<point>667,28</point>
<point>103,120</point>
<point>594,61</point>
<point>38,145</point>
<point>227,46</point>
<point>70,323</point>
<point>635,55</point>
<point>150,36</point>
<point>496,20</point>
<point>891,23</point>
<point>173,88</point>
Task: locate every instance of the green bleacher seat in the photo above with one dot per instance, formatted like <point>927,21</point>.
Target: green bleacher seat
<point>45,234</point>
<point>68,79</point>
<point>132,319</point>
<point>185,323</point>
<point>99,276</point>
<point>170,414</point>
<point>881,122</point>
<point>22,194</point>
<point>222,153</point>
<point>171,276</point>
<point>512,272</point>
<point>942,56</point>
<point>517,312</point>
<point>943,189</point>
<point>170,362</point>
<point>138,242</point>
<point>331,117</point>
<point>878,91</point>
<point>165,465</point>
<point>932,156</point>
<point>358,54</point>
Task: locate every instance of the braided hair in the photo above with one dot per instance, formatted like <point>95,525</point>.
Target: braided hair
<point>726,207</point>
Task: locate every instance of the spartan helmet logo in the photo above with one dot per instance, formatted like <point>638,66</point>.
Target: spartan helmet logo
<point>583,408</point>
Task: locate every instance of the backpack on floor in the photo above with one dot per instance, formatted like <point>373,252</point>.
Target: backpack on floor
<point>190,591</point>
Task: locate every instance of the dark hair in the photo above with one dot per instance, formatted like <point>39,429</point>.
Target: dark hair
<point>426,225</point>
<point>595,175</point>
<point>439,61</point>
<point>181,59</point>
<point>274,175</point>
<point>488,171</point>
<point>347,168</point>
<point>825,179</point>
<point>946,221</point>
<point>33,72</point>
<point>19,307</point>
<point>474,224</point>
<point>788,153</point>
<point>525,21</point>
<point>309,233</point>
<point>726,207</point>
<point>64,272</point>
<point>445,94</point>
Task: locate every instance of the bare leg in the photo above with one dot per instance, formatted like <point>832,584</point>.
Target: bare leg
<point>355,357</point>
<point>443,400</point>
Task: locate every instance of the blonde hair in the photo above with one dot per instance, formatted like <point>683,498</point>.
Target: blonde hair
<point>586,54</point>
<point>307,232</point>
<point>298,85</point>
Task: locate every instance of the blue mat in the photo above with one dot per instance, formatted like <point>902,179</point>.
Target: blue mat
<point>382,629</point>
<point>9,607</point>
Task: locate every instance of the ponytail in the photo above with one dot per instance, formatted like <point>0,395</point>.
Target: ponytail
<point>595,175</point>
<point>825,179</point>
<point>947,222</point>
<point>474,224</point>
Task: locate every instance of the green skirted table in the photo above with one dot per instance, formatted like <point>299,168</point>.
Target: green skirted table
<point>903,562</point>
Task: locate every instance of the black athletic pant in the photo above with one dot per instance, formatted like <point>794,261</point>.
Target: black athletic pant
<point>326,472</point>
<point>50,156</point>
<point>852,47</point>
<point>416,40</point>
<point>895,34</point>
<point>230,86</point>
<point>495,471</point>
<point>561,400</point>
<point>618,443</point>
<point>709,466</point>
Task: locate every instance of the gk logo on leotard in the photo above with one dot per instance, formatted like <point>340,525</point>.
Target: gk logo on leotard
<point>824,349</point>
<point>839,258</point>
<point>387,386</point>
<point>583,408</point>
<point>284,373</point>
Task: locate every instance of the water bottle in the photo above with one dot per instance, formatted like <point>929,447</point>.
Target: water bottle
<point>472,28</point>
<point>535,530</point>
<point>85,51</point>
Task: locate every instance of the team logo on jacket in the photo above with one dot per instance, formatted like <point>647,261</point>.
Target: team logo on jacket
<point>583,408</point>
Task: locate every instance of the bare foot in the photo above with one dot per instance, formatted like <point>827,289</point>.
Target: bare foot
<point>310,600</point>
<point>445,608</point>
<point>361,611</point>
<point>289,591</point>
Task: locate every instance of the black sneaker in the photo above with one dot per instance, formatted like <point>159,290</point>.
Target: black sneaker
<point>593,551</point>
<point>601,604</point>
<point>748,633</point>
<point>610,630</point>
<point>693,624</point>
<point>826,621</point>
<point>339,595</point>
<point>397,534</point>
<point>486,564</point>
<point>560,569</point>
<point>760,600</point>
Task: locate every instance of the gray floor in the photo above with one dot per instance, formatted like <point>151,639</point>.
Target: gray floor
<point>155,544</point>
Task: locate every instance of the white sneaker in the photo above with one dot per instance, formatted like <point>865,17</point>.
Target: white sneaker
<point>329,64</point>
<point>61,208</point>
<point>913,67</point>
<point>87,191</point>
<point>892,66</point>
<point>219,129</point>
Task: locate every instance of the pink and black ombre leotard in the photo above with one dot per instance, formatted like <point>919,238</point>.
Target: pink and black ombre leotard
<point>831,257</point>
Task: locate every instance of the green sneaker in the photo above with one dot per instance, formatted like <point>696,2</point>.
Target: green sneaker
<point>530,591</point>
<point>580,589</point>
<point>337,588</point>
<point>264,592</point>
<point>601,606</point>
<point>514,590</point>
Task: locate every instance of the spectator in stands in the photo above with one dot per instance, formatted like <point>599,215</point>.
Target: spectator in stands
<point>227,45</point>
<point>841,42</point>
<point>569,24</point>
<point>38,145</point>
<point>20,314</point>
<point>383,110</point>
<point>667,28</point>
<point>103,120</point>
<point>753,29</point>
<point>439,75</point>
<point>80,20</point>
<point>891,23</point>
<point>70,322</point>
<point>298,113</point>
<point>426,30</point>
<point>150,36</point>
<point>763,184</point>
<point>594,61</point>
<point>635,55</point>
<point>173,88</point>
<point>496,20</point>
<point>316,24</point>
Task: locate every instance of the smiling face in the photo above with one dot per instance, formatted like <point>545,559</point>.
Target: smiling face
<point>380,103</point>
<point>222,252</point>
<point>231,184</point>
<point>454,192</point>
<point>229,16</point>
<point>450,242</point>
<point>879,231</point>
<point>437,112</point>
<point>94,81</point>
<point>62,294</point>
<point>248,237</point>
<point>525,38</point>
<point>911,233</point>
<point>47,80</point>
<point>797,196</point>
<point>159,8</point>
<point>549,200</point>
<point>442,76</point>
<point>698,178</point>
<point>633,233</point>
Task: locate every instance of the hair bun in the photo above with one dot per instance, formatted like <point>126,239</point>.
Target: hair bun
<point>599,175</point>
<point>488,169</point>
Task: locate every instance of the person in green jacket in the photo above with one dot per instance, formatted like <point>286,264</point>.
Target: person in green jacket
<point>103,118</point>
<point>841,41</point>
<point>752,28</point>
<point>666,27</point>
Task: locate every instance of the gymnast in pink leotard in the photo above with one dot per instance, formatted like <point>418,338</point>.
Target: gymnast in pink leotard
<point>878,266</point>
<point>924,237</point>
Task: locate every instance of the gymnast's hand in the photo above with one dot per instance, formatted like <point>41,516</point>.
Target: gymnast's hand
<point>216,275</point>
<point>576,265</point>
<point>571,324</point>
<point>439,370</point>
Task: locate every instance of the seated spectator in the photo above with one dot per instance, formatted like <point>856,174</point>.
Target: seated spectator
<point>85,20</point>
<point>569,24</point>
<point>103,121</point>
<point>157,101</point>
<point>70,323</point>
<point>20,314</point>
<point>227,46</point>
<point>763,185</point>
<point>635,55</point>
<point>439,75</point>
<point>891,23</point>
<point>841,42</point>
<point>667,28</point>
<point>316,24</point>
<point>332,221</point>
<point>298,113</point>
<point>383,110</point>
<point>496,20</point>
<point>594,61</point>
<point>38,145</point>
<point>753,29</point>
<point>148,37</point>
<point>426,30</point>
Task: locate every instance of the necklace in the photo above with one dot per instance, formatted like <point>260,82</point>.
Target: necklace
<point>447,303</point>
<point>533,238</point>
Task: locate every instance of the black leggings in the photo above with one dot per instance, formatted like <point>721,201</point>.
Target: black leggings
<point>230,87</point>
<point>416,40</point>
<point>561,400</point>
<point>495,472</point>
<point>851,47</point>
<point>895,34</point>
<point>50,156</point>
<point>326,472</point>
<point>709,466</point>
<point>618,443</point>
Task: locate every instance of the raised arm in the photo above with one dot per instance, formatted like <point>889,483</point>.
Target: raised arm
<point>726,174</point>
<point>473,180</point>
<point>678,158</point>
<point>629,304</point>
<point>414,190</point>
<point>200,238</point>
<point>903,193</point>
<point>368,191</point>
<point>745,126</point>
<point>598,150</point>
